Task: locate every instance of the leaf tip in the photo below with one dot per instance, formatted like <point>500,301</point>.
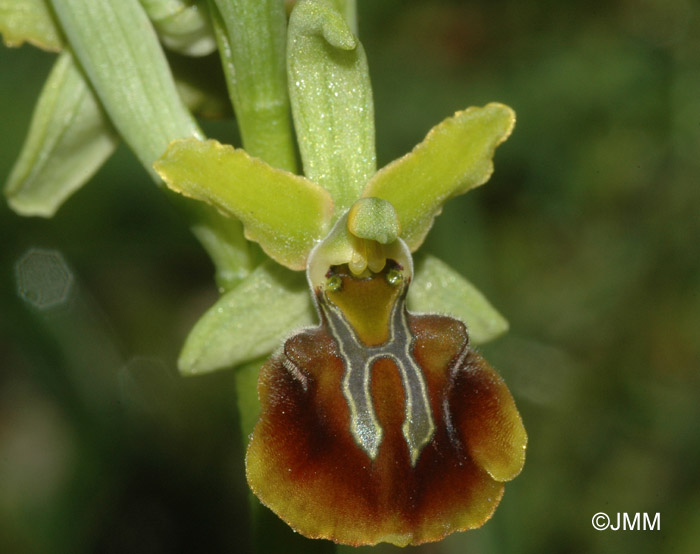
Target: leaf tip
<point>30,209</point>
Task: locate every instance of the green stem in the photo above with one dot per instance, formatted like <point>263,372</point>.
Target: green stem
<point>251,37</point>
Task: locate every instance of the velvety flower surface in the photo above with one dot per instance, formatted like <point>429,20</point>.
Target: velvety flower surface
<point>307,464</point>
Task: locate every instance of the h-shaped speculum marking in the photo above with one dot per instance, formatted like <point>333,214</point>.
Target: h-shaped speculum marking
<point>418,426</point>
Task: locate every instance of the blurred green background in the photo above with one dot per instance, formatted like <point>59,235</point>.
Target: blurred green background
<point>586,238</point>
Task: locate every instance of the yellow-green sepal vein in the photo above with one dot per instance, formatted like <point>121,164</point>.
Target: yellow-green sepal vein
<point>115,38</point>
<point>119,51</point>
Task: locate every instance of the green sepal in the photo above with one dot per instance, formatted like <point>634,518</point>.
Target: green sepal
<point>437,288</point>
<point>29,21</point>
<point>331,98</point>
<point>454,157</point>
<point>182,25</point>
<point>285,213</point>
<point>249,321</point>
<point>69,138</point>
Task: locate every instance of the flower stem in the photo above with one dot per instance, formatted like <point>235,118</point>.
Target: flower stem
<point>251,37</point>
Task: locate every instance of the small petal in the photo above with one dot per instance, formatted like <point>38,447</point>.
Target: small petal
<point>283,212</point>
<point>453,158</point>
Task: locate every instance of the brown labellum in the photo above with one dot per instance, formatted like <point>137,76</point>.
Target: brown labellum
<point>384,427</point>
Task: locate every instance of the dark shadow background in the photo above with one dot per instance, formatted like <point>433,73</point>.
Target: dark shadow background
<point>586,238</point>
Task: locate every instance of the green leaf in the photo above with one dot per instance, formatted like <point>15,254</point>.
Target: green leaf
<point>251,37</point>
<point>331,101</point>
<point>454,157</point>
<point>30,21</point>
<point>69,138</point>
<point>283,212</point>
<point>437,288</point>
<point>119,51</point>
<point>249,321</point>
<point>182,25</point>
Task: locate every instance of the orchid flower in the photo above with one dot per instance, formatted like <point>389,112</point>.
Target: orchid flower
<point>378,421</point>
<point>377,424</point>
